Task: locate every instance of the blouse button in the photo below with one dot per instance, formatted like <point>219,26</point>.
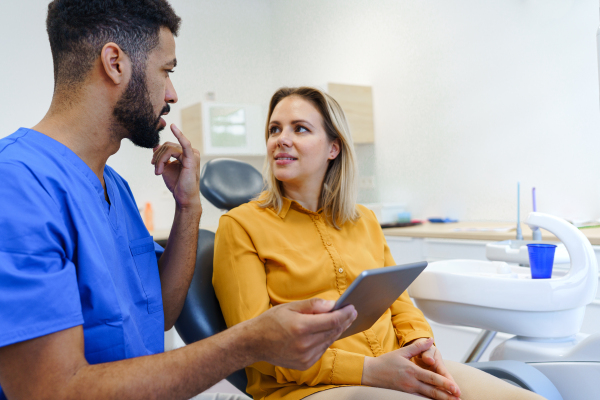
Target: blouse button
<point>316,217</point>
<point>328,243</point>
<point>341,270</point>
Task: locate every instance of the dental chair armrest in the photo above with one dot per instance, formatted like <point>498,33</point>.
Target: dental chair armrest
<point>522,375</point>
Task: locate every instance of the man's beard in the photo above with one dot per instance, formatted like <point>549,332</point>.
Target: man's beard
<point>134,113</point>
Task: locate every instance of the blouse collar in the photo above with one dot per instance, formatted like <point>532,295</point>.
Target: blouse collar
<point>287,204</point>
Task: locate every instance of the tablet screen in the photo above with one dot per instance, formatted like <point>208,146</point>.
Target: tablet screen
<point>374,291</point>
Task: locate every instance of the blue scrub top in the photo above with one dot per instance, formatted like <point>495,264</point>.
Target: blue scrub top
<point>68,257</point>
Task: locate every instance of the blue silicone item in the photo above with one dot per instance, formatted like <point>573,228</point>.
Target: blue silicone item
<point>541,259</point>
<point>442,220</point>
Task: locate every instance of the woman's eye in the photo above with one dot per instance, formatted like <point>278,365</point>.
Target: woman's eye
<point>300,128</point>
<point>273,130</point>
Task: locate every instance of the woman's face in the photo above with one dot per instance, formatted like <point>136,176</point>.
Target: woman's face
<point>298,148</point>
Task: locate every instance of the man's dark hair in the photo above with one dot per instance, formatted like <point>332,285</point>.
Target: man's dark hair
<point>78,29</point>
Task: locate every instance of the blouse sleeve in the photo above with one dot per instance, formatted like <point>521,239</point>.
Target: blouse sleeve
<point>408,321</point>
<point>240,283</point>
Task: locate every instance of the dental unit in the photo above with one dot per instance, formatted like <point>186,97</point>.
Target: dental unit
<point>545,315</point>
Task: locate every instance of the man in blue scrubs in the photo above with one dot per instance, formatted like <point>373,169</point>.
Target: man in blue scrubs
<point>85,292</point>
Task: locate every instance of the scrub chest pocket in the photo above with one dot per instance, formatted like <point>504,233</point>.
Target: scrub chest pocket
<point>146,264</point>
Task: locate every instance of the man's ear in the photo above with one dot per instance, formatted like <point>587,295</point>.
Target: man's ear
<point>115,62</point>
<point>334,151</point>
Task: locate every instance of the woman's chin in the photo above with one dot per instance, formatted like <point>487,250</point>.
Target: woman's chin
<point>284,178</point>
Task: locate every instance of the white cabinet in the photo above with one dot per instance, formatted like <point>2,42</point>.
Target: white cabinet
<point>408,249</point>
<point>449,249</point>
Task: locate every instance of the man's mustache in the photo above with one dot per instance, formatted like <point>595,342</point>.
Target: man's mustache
<point>166,109</point>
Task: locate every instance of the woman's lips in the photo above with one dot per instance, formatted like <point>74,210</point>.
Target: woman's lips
<point>282,158</point>
<point>285,160</point>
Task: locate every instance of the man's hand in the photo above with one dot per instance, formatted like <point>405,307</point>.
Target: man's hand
<point>395,371</point>
<point>181,176</point>
<point>431,359</point>
<point>296,335</point>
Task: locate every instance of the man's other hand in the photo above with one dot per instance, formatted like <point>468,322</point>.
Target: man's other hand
<point>181,176</point>
<point>296,335</point>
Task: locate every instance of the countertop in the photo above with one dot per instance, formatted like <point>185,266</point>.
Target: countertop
<point>490,231</point>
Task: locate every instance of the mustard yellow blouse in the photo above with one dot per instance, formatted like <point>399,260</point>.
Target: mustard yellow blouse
<point>263,258</point>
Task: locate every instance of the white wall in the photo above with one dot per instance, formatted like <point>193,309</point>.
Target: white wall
<point>470,96</point>
<point>26,75</point>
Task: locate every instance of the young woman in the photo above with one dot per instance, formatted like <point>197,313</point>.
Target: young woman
<point>305,237</point>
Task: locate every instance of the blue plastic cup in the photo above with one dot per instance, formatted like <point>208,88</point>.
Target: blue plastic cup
<point>541,259</point>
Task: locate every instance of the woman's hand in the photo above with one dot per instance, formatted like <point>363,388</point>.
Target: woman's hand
<point>395,371</point>
<point>431,359</point>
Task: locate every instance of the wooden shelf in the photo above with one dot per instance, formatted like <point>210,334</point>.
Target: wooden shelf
<point>357,103</point>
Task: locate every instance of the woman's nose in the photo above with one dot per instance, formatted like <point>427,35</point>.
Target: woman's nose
<point>284,139</point>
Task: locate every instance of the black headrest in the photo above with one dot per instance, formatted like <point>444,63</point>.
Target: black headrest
<point>228,183</point>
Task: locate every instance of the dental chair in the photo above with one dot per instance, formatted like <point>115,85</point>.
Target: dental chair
<point>229,183</point>
<point>544,314</point>
<point>226,183</point>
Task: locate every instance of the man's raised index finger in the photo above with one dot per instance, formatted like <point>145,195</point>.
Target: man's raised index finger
<point>186,145</point>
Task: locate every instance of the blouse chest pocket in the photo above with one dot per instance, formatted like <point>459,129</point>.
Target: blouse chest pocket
<point>142,251</point>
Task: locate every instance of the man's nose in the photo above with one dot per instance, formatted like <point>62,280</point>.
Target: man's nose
<point>170,93</point>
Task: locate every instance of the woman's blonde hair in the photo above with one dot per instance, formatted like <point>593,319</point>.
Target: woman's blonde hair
<point>338,196</point>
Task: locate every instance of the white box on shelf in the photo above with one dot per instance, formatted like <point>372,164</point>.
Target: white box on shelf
<point>389,212</point>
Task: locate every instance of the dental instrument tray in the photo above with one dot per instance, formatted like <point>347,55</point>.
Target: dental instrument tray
<point>374,291</point>
<point>515,251</point>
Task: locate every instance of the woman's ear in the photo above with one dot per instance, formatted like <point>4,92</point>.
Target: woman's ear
<point>115,62</point>
<point>335,148</point>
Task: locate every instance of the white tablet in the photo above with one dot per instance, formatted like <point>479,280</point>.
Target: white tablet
<point>374,291</point>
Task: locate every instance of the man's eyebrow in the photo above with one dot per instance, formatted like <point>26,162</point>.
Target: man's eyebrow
<point>172,63</point>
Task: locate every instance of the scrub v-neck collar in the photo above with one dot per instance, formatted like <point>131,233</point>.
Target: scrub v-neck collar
<point>54,145</point>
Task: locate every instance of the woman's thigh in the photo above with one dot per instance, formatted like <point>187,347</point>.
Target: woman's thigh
<point>475,384</point>
<point>361,393</point>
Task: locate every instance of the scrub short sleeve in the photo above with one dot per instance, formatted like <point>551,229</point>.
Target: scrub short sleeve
<point>38,283</point>
<point>158,250</point>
